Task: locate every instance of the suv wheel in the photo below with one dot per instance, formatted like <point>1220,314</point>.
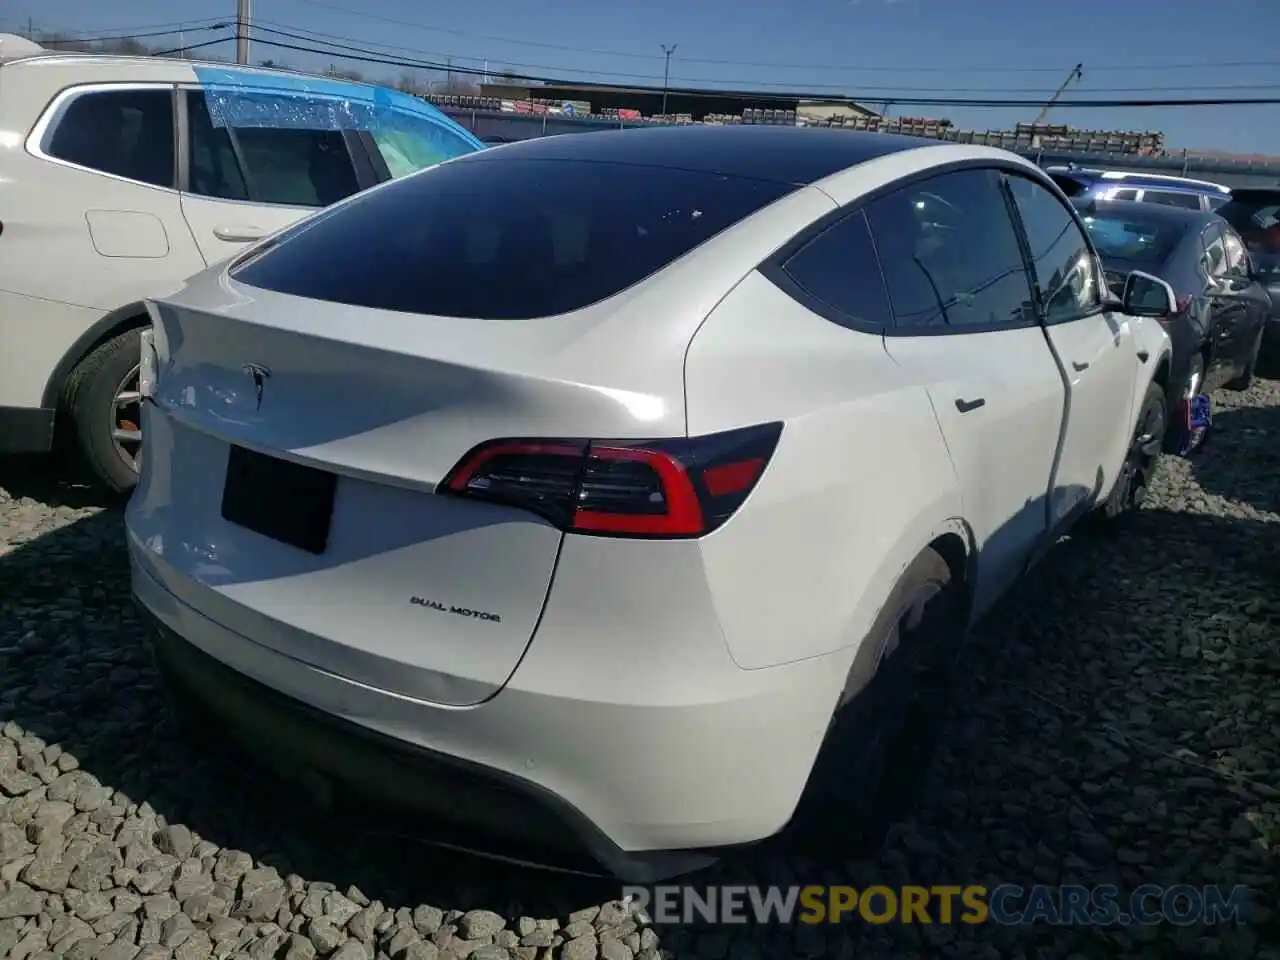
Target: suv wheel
<point>102,402</point>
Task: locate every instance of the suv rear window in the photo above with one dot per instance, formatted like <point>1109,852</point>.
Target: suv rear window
<point>505,238</point>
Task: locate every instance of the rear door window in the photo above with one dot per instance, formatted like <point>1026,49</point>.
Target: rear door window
<point>128,133</point>
<point>263,164</point>
<point>950,255</point>
<point>498,238</point>
<point>1123,194</point>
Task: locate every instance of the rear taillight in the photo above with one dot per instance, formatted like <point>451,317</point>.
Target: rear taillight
<point>683,487</point>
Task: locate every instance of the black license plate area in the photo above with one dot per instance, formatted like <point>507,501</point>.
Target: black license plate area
<point>285,501</point>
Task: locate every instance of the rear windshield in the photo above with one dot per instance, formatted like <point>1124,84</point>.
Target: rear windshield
<point>506,238</point>
<point>1131,239</point>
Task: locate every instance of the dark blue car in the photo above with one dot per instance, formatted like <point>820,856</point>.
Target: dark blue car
<point>1089,184</point>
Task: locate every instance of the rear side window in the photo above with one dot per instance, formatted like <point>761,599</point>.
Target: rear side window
<point>506,238</point>
<point>1188,201</point>
<point>294,166</point>
<point>128,133</point>
<point>838,273</point>
<point>950,255</point>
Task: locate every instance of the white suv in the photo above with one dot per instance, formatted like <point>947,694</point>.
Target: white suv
<point>122,176</point>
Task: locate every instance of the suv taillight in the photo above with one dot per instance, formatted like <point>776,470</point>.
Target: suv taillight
<point>676,488</point>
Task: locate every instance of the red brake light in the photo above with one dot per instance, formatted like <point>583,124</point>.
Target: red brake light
<point>683,487</point>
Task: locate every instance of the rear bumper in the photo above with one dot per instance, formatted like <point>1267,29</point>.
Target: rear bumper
<point>26,430</point>
<point>450,800</point>
<point>646,788</point>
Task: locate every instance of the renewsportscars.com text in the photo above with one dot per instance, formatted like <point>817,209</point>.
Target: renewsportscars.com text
<point>1007,904</point>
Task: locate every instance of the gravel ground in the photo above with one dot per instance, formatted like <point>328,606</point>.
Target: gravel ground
<point>1117,723</point>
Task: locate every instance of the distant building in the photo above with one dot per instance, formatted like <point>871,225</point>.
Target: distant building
<point>605,98</point>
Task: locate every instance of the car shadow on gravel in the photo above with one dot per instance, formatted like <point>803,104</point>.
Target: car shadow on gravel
<point>46,480</point>
<point>1116,722</point>
<point>75,670</point>
<point>1244,462</point>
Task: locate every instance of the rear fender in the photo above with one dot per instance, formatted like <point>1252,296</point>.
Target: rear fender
<point>859,483</point>
<point>116,322</point>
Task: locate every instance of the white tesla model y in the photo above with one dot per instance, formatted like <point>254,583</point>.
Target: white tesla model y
<point>574,493</point>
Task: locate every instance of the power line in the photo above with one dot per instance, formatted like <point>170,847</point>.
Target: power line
<point>914,101</point>
<point>131,36</point>
<point>870,93</point>
<point>897,97</point>
<point>137,29</point>
<point>849,68</point>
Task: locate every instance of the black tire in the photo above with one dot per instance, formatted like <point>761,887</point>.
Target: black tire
<point>1245,380</point>
<point>88,402</point>
<point>1143,455</point>
<point>1173,433</point>
<point>873,763</point>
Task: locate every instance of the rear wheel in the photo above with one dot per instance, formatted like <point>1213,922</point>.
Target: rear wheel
<point>1144,451</point>
<point>873,763</point>
<point>101,400</point>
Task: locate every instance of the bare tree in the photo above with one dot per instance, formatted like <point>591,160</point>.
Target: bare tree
<point>412,82</point>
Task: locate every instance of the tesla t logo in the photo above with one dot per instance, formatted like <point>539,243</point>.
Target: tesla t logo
<point>259,374</point>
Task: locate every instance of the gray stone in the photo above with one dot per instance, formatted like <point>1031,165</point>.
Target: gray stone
<point>299,948</point>
<point>177,840</point>
<point>325,935</point>
<point>175,931</point>
<point>350,950</point>
<point>20,901</point>
<point>479,924</point>
<point>427,919</point>
<point>580,948</point>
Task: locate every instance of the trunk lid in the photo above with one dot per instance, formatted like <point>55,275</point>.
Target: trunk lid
<point>423,594</point>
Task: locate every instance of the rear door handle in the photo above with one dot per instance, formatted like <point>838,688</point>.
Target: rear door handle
<point>1079,366</point>
<point>239,234</point>
<point>964,406</point>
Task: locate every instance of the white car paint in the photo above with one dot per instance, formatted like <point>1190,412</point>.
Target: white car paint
<point>640,681</point>
<point>81,249</point>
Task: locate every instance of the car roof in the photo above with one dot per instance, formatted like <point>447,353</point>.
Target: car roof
<point>794,155</point>
<point>1139,179</point>
<point>109,67</point>
<point>1152,213</point>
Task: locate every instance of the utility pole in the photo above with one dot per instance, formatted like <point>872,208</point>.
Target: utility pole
<point>242,31</point>
<point>666,72</point>
<point>1076,73</point>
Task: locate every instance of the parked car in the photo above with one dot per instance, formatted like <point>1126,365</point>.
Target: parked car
<point>127,174</point>
<point>647,458</point>
<point>1221,307</point>
<point>1254,212</point>
<point>1085,184</point>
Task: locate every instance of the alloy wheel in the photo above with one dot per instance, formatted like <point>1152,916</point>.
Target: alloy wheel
<point>126,419</point>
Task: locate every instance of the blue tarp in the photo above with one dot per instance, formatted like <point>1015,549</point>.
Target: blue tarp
<point>252,98</point>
